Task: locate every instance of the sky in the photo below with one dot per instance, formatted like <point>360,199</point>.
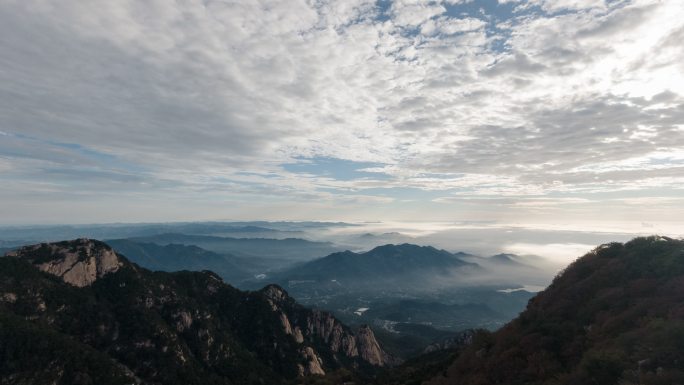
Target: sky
<point>546,114</point>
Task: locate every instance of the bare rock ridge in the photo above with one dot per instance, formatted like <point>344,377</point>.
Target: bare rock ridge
<point>80,262</point>
<point>369,348</point>
<point>322,325</point>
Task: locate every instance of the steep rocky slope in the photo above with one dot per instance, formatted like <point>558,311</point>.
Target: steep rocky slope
<point>615,316</point>
<point>153,327</point>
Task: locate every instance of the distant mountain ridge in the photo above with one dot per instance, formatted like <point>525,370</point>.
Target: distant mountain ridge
<point>288,248</point>
<point>409,291</point>
<point>48,233</point>
<point>381,263</point>
<point>97,318</point>
<point>176,257</point>
<point>508,259</point>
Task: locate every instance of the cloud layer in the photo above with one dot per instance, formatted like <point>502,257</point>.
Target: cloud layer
<point>442,105</point>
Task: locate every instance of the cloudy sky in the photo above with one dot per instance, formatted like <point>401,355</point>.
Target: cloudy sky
<point>541,113</point>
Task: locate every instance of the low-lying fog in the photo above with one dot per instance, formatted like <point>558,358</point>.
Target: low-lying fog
<point>546,250</point>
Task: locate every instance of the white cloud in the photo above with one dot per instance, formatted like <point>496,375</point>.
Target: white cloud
<point>408,13</point>
<point>559,253</point>
<point>559,5</point>
<point>450,26</point>
<point>184,96</point>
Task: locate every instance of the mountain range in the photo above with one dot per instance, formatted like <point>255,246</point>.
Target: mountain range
<point>76,312</point>
<point>410,293</point>
<point>22,235</point>
<point>175,257</point>
<point>288,249</point>
<point>401,265</point>
<point>378,280</point>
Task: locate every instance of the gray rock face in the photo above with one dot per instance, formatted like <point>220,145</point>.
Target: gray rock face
<point>275,294</point>
<point>313,365</point>
<point>79,263</point>
<point>296,332</point>
<point>322,325</point>
<point>361,344</point>
<point>328,328</point>
<point>369,349</point>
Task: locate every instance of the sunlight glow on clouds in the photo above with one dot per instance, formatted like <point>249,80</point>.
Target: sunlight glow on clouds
<point>240,109</point>
<point>558,253</point>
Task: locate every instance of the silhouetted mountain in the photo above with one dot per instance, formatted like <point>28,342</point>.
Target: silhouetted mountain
<point>25,235</point>
<point>506,259</point>
<point>406,262</point>
<point>285,249</point>
<point>614,316</point>
<point>408,291</point>
<point>76,312</point>
<point>174,257</point>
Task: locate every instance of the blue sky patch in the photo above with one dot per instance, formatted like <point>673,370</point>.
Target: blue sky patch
<point>339,169</point>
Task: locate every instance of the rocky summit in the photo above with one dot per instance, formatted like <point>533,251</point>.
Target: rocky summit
<point>79,262</point>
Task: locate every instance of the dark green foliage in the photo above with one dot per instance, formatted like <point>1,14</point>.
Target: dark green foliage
<point>416,370</point>
<point>410,340</point>
<point>31,353</point>
<point>614,316</point>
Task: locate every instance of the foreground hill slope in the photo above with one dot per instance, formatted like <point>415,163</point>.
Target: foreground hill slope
<point>76,312</point>
<point>614,316</point>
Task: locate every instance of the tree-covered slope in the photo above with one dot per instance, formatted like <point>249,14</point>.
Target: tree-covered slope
<point>614,316</point>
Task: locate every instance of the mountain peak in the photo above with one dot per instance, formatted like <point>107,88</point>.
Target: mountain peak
<point>402,248</point>
<point>275,293</point>
<point>79,262</point>
<point>509,259</point>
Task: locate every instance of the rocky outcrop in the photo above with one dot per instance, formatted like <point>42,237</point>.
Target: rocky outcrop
<point>80,262</point>
<point>332,332</point>
<point>276,295</point>
<point>369,349</point>
<point>313,363</point>
<point>184,321</point>
<point>322,326</point>
<point>296,332</point>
